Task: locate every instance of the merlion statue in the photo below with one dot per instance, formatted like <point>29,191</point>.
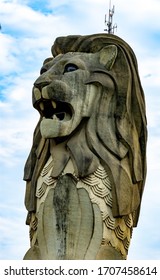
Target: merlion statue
<point>86,170</point>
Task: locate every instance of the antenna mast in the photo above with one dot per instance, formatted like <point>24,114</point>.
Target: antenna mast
<point>110,28</point>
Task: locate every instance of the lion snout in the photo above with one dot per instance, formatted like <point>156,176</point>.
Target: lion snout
<point>44,80</point>
<point>59,91</point>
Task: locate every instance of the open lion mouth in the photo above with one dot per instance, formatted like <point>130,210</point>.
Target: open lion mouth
<point>54,110</point>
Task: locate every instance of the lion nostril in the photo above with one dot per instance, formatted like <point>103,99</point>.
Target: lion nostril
<point>40,85</point>
<point>42,81</point>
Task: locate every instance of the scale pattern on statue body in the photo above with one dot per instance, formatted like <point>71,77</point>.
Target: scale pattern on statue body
<point>116,231</point>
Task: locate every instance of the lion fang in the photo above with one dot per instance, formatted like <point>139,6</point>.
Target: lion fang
<point>54,104</point>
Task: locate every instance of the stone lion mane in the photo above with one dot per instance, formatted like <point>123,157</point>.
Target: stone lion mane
<point>116,134</point>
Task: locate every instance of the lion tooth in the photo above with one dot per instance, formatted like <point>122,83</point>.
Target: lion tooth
<point>54,117</point>
<point>41,106</point>
<point>37,93</point>
<point>66,117</point>
<point>45,92</point>
<point>54,104</point>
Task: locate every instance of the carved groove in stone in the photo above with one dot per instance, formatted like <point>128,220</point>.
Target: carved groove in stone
<point>34,224</point>
<point>119,233</point>
<point>107,183</point>
<point>100,173</point>
<point>128,221</point>
<point>110,223</point>
<point>48,180</point>
<point>47,168</point>
<point>100,190</point>
<point>108,199</point>
<point>90,180</point>
<point>126,243</point>
<point>41,190</point>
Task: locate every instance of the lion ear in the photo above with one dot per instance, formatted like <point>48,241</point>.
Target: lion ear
<point>107,56</point>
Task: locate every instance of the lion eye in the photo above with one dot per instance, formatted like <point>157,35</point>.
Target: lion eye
<point>70,67</point>
<point>43,70</point>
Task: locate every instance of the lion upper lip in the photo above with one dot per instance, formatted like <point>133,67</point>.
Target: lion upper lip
<point>51,109</point>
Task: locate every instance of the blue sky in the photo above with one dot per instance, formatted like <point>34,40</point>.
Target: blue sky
<point>28,31</point>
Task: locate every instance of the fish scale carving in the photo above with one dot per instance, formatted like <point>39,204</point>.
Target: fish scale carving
<point>118,230</point>
<point>47,168</point>
<point>41,190</point>
<point>101,173</point>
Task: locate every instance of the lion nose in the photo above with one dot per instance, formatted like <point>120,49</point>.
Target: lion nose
<point>43,80</point>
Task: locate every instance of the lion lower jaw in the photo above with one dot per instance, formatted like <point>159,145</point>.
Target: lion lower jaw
<point>51,128</point>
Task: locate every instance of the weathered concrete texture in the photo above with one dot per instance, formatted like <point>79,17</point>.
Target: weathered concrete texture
<point>86,170</point>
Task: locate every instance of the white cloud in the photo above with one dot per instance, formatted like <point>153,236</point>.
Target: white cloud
<point>139,12</point>
<point>7,54</point>
<point>18,119</point>
<point>31,23</point>
<point>13,238</point>
<point>150,65</point>
<point>22,17</point>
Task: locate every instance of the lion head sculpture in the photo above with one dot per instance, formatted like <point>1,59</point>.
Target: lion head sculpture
<point>89,96</point>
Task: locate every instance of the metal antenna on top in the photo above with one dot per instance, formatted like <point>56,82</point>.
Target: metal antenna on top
<point>110,28</point>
